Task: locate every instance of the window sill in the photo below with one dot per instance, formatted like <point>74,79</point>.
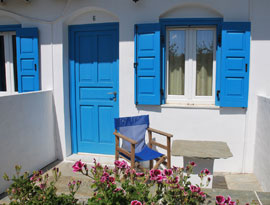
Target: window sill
<point>190,106</point>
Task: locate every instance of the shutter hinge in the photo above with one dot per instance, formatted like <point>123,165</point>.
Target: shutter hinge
<point>161,92</point>
<point>246,67</point>
<point>219,39</point>
<point>162,39</point>
<point>218,95</point>
<point>135,65</point>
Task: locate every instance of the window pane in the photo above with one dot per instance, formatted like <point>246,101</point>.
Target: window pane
<point>204,62</point>
<point>15,62</point>
<point>2,66</point>
<point>176,62</point>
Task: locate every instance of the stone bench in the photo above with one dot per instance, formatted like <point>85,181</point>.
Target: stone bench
<point>203,153</point>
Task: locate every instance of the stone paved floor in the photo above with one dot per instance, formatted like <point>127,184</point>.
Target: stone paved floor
<point>243,187</point>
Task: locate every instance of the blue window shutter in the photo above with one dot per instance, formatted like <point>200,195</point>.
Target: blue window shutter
<point>27,59</point>
<point>235,64</point>
<point>147,64</point>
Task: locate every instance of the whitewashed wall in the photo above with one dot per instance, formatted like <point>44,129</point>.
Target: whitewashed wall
<point>26,133</point>
<point>262,143</point>
<point>236,126</point>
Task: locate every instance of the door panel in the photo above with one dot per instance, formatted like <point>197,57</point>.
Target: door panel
<point>96,80</point>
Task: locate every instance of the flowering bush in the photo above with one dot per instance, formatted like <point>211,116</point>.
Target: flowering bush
<point>115,186</point>
<point>119,186</point>
<point>37,190</point>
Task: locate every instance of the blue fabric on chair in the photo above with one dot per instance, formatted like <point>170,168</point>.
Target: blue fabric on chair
<point>135,128</point>
<point>145,155</point>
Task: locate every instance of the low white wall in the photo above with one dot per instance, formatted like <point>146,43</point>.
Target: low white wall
<point>26,133</point>
<point>262,144</point>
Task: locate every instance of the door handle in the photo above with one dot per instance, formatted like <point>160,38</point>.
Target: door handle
<point>115,95</point>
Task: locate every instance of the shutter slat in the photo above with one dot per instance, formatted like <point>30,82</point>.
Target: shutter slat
<point>235,59</point>
<point>27,59</point>
<point>147,71</point>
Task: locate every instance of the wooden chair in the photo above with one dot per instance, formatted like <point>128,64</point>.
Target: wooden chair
<point>132,131</point>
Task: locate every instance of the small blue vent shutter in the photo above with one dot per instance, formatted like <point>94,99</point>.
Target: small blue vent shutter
<point>147,64</point>
<point>235,64</point>
<point>27,59</point>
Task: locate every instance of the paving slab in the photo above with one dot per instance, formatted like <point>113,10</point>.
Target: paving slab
<point>264,197</point>
<point>243,182</point>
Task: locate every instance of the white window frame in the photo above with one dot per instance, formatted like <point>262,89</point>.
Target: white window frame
<point>9,65</point>
<point>189,96</point>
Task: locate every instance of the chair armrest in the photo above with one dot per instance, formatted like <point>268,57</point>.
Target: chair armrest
<point>125,138</point>
<point>159,132</point>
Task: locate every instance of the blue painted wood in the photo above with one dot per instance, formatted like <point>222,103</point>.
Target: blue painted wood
<point>93,78</point>
<point>27,59</point>
<point>147,73</point>
<point>6,28</point>
<point>175,22</point>
<point>235,64</point>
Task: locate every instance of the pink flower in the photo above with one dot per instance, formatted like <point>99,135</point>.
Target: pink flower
<point>228,200</point>
<point>77,167</point>
<point>42,186</point>
<point>118,189</point>
<point>155,172</point>
<point>103,179</point>
<point>135,202</point>
<point>193,164</point>
<point>123,165</point>
<point>159,178</point>
<point>206,171</point>
<point>175,180</point>
<point>117,163</point>
<point>194,188</point>
<point>220,199</point>
<point>140,174</point>
<point>111,179</point>
<point>167,172</point>
<point>105,174</point>
<point>202,194</point>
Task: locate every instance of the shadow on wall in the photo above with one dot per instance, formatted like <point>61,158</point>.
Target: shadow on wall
<point>58,147</point>
<point>149,108</point>
<point>259,19</point>
<point>232,111</point>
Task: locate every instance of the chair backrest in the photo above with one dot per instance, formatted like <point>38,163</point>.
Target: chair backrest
<point>134,128</point>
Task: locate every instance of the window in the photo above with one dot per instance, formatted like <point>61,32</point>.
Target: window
<point>191,65</point>
<point>8,63</point>
<point>194,61</point>
<point>19,59</point>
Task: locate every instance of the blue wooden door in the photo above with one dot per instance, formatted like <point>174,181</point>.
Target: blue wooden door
<point>95,75</point>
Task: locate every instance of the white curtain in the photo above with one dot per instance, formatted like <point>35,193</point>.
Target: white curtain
<point>204,63</point>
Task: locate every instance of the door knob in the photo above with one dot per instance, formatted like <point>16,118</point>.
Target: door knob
<point>115,95</point>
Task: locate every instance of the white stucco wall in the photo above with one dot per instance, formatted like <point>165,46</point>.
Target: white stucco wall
<point>236,126</point>
<point>262,143</point>
<point>27,133</point>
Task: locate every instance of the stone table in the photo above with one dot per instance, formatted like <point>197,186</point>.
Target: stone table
<point>203,153</point>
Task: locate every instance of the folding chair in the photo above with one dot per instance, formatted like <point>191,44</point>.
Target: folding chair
<point>132,131</point>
